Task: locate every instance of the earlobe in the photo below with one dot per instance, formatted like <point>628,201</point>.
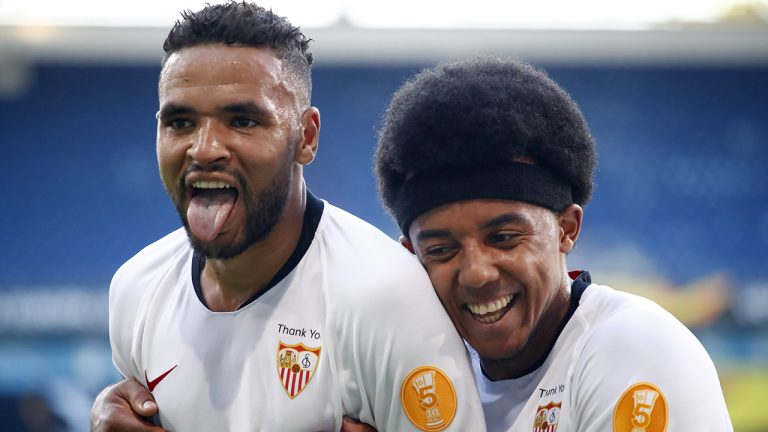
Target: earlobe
<point>310,136</point>
<point>406,243</point>
<point>570,220</point>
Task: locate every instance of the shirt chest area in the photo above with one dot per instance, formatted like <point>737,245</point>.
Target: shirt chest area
<point>539,402</point>
<point>263,367</point>
<point>548,409</point>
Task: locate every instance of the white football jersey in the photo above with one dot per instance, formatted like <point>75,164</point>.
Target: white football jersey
<point>622,364</point>
<point>353,328</point>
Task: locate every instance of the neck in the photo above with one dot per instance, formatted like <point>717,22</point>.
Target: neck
<point>228,283</point>
<point>540,343</point>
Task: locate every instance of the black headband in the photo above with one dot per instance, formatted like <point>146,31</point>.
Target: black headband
<point>514,181</point>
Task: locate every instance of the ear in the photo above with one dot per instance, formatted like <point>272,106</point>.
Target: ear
<point>406,242</point>
<point>310,136</point>
<point>569,220</point>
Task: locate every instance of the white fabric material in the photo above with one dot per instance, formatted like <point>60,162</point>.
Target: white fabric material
<point>356,294</point>
<point>612,341</point>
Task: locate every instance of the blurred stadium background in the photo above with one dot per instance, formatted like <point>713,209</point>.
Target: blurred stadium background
<point>676,93</point>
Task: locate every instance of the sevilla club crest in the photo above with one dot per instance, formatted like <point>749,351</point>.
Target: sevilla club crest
<point>296,365</point>
<point>547,417</point>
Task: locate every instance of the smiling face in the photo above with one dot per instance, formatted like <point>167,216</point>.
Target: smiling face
<point>498,267</point>
<point>231,139</point>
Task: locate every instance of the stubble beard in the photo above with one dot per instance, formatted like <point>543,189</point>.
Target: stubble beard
<point>262,213</point>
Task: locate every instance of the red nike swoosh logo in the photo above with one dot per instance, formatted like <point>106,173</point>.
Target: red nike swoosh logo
<point>152,384</point>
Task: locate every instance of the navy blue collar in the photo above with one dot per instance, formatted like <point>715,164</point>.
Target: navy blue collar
<point>581,280</point>
<point>312,215</point>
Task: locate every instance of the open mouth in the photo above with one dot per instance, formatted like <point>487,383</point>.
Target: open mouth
<point>211,203</point>
<point>211,188</point>
<point>491,312</point>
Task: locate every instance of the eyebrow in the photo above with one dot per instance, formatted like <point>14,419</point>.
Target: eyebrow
<point>172,109</point>
<point>243,108</point>
<point>496,222</point>
<point>506,218</point>
<point>431,234</point>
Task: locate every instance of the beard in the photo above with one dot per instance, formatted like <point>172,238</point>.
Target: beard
<point>262,211</point>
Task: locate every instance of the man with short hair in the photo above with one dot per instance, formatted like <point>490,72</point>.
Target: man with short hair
<point>272,309</point>
<point>486,164</point>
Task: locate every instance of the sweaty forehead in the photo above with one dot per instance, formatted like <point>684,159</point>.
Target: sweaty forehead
<point>218,66</point>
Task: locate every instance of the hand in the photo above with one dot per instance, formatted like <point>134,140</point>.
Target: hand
<point>122,407</point>
<point>349,424</point>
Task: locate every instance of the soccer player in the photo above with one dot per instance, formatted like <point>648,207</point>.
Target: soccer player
<point>486,164</point>
<point>271,309</point>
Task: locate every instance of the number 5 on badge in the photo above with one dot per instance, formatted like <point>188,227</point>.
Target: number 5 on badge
<point>428,398</point>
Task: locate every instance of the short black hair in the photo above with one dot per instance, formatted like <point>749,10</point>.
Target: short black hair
<point>470,115</point>
<point>244,24</point>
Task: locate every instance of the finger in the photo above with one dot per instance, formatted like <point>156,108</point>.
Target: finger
<point>140,399</point>
<point>111,412</point>
<point>124,420</point>
<point>349,424</point>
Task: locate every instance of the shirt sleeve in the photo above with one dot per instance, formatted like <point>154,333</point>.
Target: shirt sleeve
<point>123,307</point>
<point>128,289</point>
<point>402,366</point>
<point>641,368</point>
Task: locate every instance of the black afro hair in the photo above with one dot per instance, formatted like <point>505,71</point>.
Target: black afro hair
<point>478,112</point>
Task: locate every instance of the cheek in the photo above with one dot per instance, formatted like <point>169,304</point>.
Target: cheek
<point>263,153</point>
<point>164,163</point>
<point>532,266</point>
<point>441,283</point>
<point>170,154</point>
<point>170,162</point>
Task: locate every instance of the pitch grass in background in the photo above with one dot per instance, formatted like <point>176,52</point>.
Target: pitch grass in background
<point>745,388</point>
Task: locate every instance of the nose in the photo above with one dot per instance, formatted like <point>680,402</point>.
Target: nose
<point>478,268</point>
<point>208,144</point>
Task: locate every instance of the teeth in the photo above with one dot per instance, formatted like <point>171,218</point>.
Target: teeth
<point>491,307</point>
<point>489,320</point>
<point>211,185</point>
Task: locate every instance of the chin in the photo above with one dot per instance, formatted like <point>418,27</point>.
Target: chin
<point>493,350</point>
<point>217,248</point>
<point>497,355</point>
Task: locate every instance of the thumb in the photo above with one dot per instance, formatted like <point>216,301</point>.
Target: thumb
<point>141,400</point>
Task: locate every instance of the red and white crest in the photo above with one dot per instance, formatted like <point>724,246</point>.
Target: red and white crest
<point>296,365</point>
<point>547,417</point>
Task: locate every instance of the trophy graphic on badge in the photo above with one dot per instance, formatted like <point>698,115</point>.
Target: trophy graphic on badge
<point>428,398</point>
<point>644,401</point>
<point>424,385</point>
<point>641,408</point>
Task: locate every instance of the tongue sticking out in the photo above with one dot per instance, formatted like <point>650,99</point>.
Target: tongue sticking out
<point>207,213</point>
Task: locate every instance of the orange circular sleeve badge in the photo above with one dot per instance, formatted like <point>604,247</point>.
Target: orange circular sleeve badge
<point>642,408</point>
<point>428,398</point>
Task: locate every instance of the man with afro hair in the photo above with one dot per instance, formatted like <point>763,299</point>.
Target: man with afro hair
<point>486,164</point>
